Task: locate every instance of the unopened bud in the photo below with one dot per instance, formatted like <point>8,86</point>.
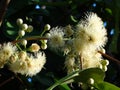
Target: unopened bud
<point>44,41</point>
<point>104,68</point>
<point>24,42</point>
<point>30,28</point>
<point>34,47</point>
<point>22,55</point>
<point>47,35</point>
<point>21,33</point>
<point>91,81</point>
<point>44,46</point>
<point>19,21</point>
<point>24,27</point>
<point>47,27</point>
<point>100,66</point>
<point>104,62</point>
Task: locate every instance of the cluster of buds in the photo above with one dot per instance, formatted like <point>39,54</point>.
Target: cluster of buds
<point>23,27</point>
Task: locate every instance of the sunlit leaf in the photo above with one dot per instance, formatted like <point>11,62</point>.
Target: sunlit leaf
<point>9,25</point>
<point>81,76</point>
<point>107,86</point>
<point>64,87</point>
<point>95,73</point>
<point>73,19</point>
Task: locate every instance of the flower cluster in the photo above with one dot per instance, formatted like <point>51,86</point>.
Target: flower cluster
<point>27,64</point>
<point>21,61</point>
<point>20,58</point>
<point>80,45</point>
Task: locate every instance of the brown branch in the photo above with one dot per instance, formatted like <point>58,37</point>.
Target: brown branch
<point>6,81</point>
<point>109,57</point>
<point>3,8</point>
<point>20,80</point>
<point>81,66</point>
<point>30,38</point>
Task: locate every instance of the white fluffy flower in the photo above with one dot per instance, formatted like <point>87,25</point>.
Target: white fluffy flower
<point>90,34</point>
<point>6,50</point>
<point>56,38</point>
<point>70,63</point>
<point>30,66</point>
<point>68,31</point>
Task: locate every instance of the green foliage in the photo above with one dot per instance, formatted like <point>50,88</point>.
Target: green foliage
<point>106,86</point>
<point>83,76</point>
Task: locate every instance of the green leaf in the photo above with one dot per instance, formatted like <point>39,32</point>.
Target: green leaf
<point>107,86</point>
<point>73,19</point>
<point>64,87</point>
<point>109,11</point>
<point>11,32</point>
<point>95,73</point>
<point>65,80</point>
<point>9,25</point>
<point>81,76</point>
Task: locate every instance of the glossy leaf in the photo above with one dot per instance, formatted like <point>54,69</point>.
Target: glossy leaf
<point>81,76</point>
<point>95,73</point>
<point>107,86</point>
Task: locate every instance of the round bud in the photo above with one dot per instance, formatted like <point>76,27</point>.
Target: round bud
<point>30,28</point>
<point>92,88</point>
<point>24,27</point>
<point>104,68</point>
<point>104,62</point>
<point>100,66</point>
<point>47,27</point>
<point>45,41</point>
<point>91,81</point>
<point>22,55</point>
<point>34,47</point>
<point>44,46</point>
<point>24,42</point>
<point>19,21</point>
<point>21,33</point>
<point>47,35</point>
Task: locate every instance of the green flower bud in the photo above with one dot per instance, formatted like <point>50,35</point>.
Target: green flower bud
<point>44,41</point>
<point>44,46</point>
<point>104,62</point>
<point>100,66</point>
<point>104,68</point>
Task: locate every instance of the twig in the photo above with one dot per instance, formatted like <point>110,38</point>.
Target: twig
<point>6,81</point>
<point>81,59</point>
<point>30,38</point>
<point>109,57</point>
<point>3,8</point>
<point>20,80</point>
